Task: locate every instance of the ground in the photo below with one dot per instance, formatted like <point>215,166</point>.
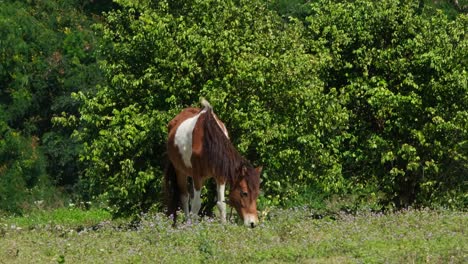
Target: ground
<point>291,236</point>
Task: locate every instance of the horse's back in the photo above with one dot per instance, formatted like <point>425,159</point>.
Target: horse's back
<point>178,119</point>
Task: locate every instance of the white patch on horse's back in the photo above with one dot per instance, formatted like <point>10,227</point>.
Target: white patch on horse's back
<point>183,138</point>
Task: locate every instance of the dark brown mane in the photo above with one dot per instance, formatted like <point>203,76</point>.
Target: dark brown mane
<point>223,156</point>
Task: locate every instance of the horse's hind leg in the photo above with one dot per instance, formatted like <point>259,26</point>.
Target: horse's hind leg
<point>184,194</point>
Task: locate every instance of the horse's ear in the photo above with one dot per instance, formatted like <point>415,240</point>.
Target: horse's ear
<point>258,170</point>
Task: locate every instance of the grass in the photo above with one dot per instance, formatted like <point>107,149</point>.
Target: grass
<point>66,217</point>
<point>284,236</point>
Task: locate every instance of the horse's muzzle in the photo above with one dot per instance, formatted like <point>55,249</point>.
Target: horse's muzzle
<point>250,220</point>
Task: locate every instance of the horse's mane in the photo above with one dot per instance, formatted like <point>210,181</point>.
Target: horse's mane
<point>223,156</point>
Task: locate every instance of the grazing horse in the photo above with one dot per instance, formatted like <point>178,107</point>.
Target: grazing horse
<point>198,146</point>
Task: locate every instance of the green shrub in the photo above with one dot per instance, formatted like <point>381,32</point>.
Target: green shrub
<point>401,73</point>
<point>363,98</point>
<point>253,67</point>
<point>46,52</point>
<point>23,180</point>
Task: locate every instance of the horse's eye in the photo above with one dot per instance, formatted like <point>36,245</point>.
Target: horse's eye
<point>244,194</point>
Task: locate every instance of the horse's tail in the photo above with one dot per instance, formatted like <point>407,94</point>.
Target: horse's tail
<point>206,104</point>
<point>171,191</point>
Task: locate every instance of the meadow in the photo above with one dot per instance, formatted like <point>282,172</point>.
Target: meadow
<point>297,235</point>
<point>366,99</point>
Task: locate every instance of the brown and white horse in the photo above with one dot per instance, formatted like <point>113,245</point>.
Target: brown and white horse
<point>199,147</point>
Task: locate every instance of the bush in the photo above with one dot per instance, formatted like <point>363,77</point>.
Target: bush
<point>161,57</point>
<point>46,52</point>
<point>363,98</point>
<point>401,73</point>
<point>24,183</point>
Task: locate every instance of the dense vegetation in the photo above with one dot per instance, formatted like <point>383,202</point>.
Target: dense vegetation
<point>359,99</point>
<point>47,52</point>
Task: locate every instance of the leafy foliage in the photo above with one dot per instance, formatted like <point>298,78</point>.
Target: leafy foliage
<point>45,54</point>
<point>402,75</point>
<point>23,173</point>
<point>362,98</point>
<point>244,59</point>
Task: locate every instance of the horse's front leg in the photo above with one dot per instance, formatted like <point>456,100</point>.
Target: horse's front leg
<point>196,201</point>
<point>184,198</point>
<point>221,203</point>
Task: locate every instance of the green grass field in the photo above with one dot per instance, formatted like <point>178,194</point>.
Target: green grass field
<point>284,236</point>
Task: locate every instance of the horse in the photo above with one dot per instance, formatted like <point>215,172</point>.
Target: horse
<point>199,147</point>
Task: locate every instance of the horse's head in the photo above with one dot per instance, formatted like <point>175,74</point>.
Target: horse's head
<point>243,195</point>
